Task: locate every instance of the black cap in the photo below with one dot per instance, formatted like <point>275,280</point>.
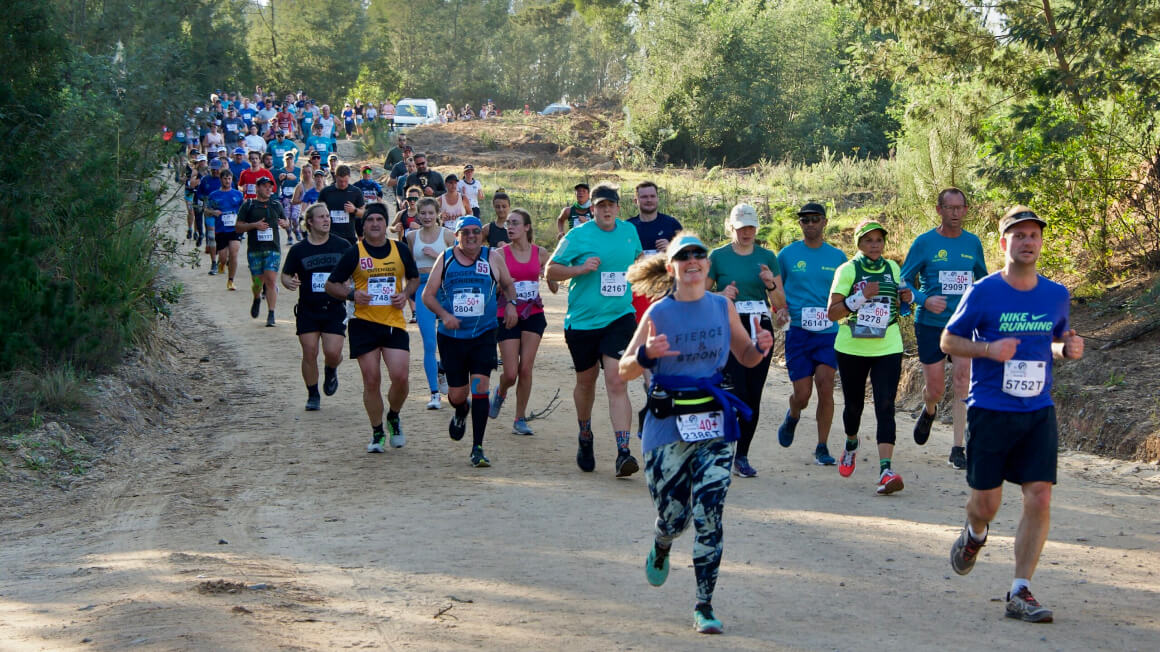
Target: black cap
<point>605,192</point>
<point>1017,214</point>
<point>262,180</point>
<point>580,185</point>
<point>812,208</point>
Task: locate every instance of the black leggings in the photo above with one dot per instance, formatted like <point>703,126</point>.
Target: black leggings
<point>748,384</point>
<point>884,372</point>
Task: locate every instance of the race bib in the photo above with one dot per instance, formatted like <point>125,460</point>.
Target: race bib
<point>307,120</point>
<point>217,122</point>
<point>231,127</point>
<point>650,252</point>
<point>873,318</point>
<point>266,235</point>
<point>482,267</point>
<point>251,188</point>
<point>527,290</point>
<point>229,219</point>
<point>318,282</point>
<point>339,217</point>
<point>752,308</point>
<point>815,319</point>
<point>467,303</point>
<point>1024,378</point>
<point>381,288</point>
<point>613,284</point>
<point>700,426</point>
<point>370,196</point>
<point>287,191</point>
<point>955,282</point>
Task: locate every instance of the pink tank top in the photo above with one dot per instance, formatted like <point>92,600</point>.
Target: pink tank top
<point>527,279</point>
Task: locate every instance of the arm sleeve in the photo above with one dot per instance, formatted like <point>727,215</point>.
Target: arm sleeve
<point>843,280</point>
<point>410,269</point>
<point>345,267</point>
<point>966,317</point>
<point>912,269</point>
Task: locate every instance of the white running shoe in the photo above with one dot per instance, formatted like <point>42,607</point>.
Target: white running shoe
<point>435,403</point>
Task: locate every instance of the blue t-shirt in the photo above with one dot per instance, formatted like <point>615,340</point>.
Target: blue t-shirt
<point>992,310</point>
<point>238,168</point>
<point>310,196</point>
<point>664,227</point>
<point>247,114</point>
<point>226,201</point>
<point>468,293</point>
<point>348,116</point>
<point>700,331</point>
<point>208,185</point>
<point>286,186</point>
<point>371,189</point>
<point>938,265</point>
<point>806,275</point>
<point>598,298</point>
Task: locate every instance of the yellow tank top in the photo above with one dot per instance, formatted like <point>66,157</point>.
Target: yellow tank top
<point>381,278</point>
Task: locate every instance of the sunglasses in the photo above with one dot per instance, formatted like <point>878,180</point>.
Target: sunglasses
<point>810,219</point>
<point>686,254</point>
<point>412,199</point>
<point>471,231</point>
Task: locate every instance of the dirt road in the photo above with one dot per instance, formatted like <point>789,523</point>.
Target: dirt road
<point>245,523</point>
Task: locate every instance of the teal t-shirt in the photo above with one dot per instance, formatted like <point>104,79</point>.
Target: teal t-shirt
<point>727,266</point>
<point>938,265</point>
<point>321,144</point>
<point>598,298</point>
<point>279,149</point>
<point>806,274</point>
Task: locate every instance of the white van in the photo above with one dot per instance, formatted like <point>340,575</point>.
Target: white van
<point>411,112</point>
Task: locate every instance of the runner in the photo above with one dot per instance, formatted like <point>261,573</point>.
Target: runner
<point>578,213</point>
<point>239,164</point>
<point>400,184</point>
<point>318,316</point>
<point>866,290</point>
<point>518,345</point>
<point>224,204</point>
<point>261,217</point>
<point>942,263</point>
<point>207,185</point>
<point>748,275</point>
<point>284,120</point>
<point>429,180</point>
<point>281,145</point>
<point>426,243</point>
<point>807,267</point>
<point>326,121</point>
<point>600,319</point>
<point>495,232</point>
<point>254,141</point>
<point>305,196</point>
<point>377,329</point>
<point>408,217</point>
<point>461,291</point>
<point>318,143</point>
<point>685,337</point>
<point>1012,324</point>
<point>471,188</point>
<point>371,190</point>
<point>248,179</point>
<point>453,204</point>
<point>395,155</point>
<point>288,178</point>
<point>345,204</point>
<point>348,120</point>
<point>234,128</point>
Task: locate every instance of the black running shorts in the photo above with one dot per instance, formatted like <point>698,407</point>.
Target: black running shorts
<point>366,336</point>
<point>463,358</point>
<point>1017,447</point>
<point>589,346</point>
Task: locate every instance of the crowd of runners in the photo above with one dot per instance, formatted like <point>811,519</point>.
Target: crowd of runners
<point>645,298</point>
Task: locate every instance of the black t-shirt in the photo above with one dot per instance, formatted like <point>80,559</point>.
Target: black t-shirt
<point>349,261</point>
<point>254,211</point>
<point>663,227</point>
<point>335,199</point>
<point>312,265</point>
<point>429,179</point>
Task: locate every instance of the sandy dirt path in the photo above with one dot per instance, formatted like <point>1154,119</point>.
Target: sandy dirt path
<point>246,523</point>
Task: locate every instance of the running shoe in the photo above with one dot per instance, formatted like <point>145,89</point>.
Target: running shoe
<point>705,621</point>
<point>656,567</point>
<point>255,307</point>
<point>436,402</point>
<point>398,439</point>
<point>442,383</point>
<point>958,458</point>
<point>964,551</point>
<point>496,404</point>
<point>1025,607</point>
<point>457,427</point>
<point>213,271</point>
<point>889,482</point>
<point>822,456</point>
<point>189,234</point>
<point>330,384</point>
<point>197,240</point>
<point>230,285</point>
<point>520,427</point>
<point>221,267</point>
<point>313,403</point>
<point>786,431</point>
<point>922,427</point>
<point>626,464</point>
<point>585,457</point>
<point>270,323</point>
<point>478,459</point>
<point>846,466</point>
<point>376,445</point>
<point>741,467</point>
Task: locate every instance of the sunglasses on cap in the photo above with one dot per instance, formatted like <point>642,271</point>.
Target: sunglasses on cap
<point>810,218</point>
<point>686,254</point>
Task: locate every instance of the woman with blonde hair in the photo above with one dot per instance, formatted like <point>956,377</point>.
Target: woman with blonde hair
<point>685,338</point>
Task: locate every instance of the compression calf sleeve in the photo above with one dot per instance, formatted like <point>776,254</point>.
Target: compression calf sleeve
<point>479,412</point>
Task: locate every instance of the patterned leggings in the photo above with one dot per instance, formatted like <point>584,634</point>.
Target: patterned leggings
<point>688,481</point>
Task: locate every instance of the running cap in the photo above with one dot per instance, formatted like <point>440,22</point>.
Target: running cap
<point>605,192</point>
<point>1017,214</point>
<point>466,221</point>
<point>201,158</point>
<point>367,169</point>
<point>319,173</point>
<point>742,215</point>
<point>289,154</point>
<point>468,167</point>
<point>685,242</point>
<point>215,164</point>
<point>239,150</point>
<point>262,180</point>
<point>280,132</point>
<point>866,226</point>
<point>378,208</point>
<point>315,155</point>
<point>580,185</point>
<point>812,208</point>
